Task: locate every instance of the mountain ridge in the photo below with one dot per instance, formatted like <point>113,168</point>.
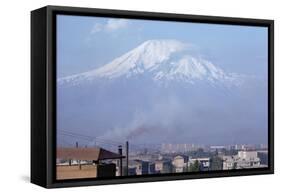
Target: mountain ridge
<point>163,60</point>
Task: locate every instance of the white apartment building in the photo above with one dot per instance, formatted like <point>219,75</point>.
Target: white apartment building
<point>244,159</point>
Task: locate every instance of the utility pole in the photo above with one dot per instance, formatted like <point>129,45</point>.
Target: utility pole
<point>120,153</point>
<point>127,157</point>
<point>79,162</point>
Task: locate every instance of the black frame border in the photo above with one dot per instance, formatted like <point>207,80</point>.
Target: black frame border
<point>52,11</point>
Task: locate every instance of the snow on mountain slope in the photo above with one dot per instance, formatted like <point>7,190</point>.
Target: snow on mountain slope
<point>160,59</point>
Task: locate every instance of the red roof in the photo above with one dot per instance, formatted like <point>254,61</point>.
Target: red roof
<point>90,154</point>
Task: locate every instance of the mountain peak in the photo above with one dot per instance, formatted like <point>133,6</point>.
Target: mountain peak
<point>171,44</point>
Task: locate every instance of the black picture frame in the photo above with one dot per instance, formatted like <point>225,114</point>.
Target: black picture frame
<point>43,94</point>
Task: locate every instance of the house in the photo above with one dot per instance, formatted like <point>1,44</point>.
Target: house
<point>85,162</point>
<point>163,166</point>
<point>180,163</point>
<point>138,167</point>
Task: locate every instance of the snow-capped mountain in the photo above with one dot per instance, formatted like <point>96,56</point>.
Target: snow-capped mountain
<point>161,60</point>
<point>159,89</point>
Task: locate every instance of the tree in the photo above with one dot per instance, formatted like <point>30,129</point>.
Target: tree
<point>194,167</point>
<point>216,163</point>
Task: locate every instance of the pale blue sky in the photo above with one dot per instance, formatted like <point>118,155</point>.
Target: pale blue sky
<point>85,43</point>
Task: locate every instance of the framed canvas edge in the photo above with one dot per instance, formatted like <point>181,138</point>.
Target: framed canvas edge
<point>51,93</point>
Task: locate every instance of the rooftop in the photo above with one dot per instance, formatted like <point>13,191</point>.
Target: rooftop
<point>90,154</point>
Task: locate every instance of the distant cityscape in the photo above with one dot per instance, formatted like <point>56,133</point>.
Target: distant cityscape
<point>177,158</point>
<point>165,158</point>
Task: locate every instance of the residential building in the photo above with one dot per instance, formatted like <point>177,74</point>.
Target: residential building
<point>180,163</point>
<point>163,166</point>
<point>244,159</point>
<point>138,167</point>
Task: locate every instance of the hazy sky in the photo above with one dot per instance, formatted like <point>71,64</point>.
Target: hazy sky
<point>85,43</point>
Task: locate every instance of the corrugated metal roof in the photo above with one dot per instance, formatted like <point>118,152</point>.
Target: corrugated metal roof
<point>90,154</point>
